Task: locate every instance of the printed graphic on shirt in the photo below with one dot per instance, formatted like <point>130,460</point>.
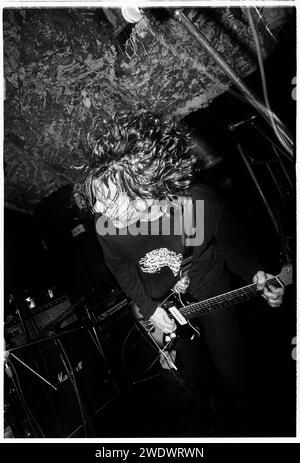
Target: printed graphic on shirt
<point>155,260</point>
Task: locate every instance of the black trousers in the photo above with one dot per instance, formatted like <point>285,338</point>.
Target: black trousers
<point>217,364</point>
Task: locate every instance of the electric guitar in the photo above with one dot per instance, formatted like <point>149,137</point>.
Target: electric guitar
<point>183,312</point>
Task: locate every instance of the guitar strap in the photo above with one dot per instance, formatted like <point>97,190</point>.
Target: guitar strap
<point>187,230</point>
<point>167,359</point>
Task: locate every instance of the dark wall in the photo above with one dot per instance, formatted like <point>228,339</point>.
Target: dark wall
<point>25,261</point>
<point>76,256</point>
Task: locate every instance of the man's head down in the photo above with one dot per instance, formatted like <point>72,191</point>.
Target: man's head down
<point>143,156</point>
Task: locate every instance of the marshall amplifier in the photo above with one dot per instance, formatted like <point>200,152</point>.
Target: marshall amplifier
<point>114,305</point>
<point>51,313</point>
<point>31,324</point>
<point>79,384</point>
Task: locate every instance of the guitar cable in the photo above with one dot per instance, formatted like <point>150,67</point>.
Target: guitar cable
<point>177,374</point>
<point>123,348</point>
<point>170,363</point>
<point>149,342</point>
<point>161,351</point>
<point>173,371</point>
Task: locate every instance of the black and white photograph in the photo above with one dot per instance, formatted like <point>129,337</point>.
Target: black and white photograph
<point>149,222</point>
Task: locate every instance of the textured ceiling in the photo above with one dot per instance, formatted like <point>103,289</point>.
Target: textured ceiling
<point>64,66</point>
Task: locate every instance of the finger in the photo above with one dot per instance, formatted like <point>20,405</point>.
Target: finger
<point>168,323</point>
<point>163,327</point>
<point>184,283</point>
<point>275,289</point>
<point>271,303</point>
<point>166,318</point>
<point>166,330</point>
<point>275,304</point>
<point>181,286</point>
<point>182,289</point>
<point>260,279</point>
<point>271,295</point>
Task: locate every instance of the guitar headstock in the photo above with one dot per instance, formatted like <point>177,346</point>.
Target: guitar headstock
<point>286,274</point>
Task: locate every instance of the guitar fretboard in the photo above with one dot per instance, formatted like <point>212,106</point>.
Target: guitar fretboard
<point>224,300</point>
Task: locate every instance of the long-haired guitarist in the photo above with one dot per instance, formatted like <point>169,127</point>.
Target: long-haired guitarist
<point>138,183</point>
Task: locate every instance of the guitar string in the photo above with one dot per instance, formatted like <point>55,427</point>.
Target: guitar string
<point>223,300</point>
<point>206,307</point>
<point>217,304</point>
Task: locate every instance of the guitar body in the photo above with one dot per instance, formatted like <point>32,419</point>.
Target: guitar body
<point>172,306</point>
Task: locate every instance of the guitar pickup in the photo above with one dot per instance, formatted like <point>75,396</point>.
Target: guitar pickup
<point>177,315</point>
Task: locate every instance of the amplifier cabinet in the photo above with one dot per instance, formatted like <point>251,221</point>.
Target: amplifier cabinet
<point>77,370</point>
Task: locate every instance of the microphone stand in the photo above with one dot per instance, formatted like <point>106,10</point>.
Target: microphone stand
<point>262,109</point>
<point>92,331</point>
<point>283,185</point>
<point>233,76</point>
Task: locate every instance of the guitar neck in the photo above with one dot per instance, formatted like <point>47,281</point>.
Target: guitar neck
<point>222,301</point>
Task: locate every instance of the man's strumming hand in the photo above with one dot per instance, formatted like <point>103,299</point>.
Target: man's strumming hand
<point>162,321</point>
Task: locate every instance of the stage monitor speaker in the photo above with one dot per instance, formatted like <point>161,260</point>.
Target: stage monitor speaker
<point>75,367</point>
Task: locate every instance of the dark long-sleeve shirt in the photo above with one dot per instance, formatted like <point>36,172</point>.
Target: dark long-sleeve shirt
<point>147,266</point>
